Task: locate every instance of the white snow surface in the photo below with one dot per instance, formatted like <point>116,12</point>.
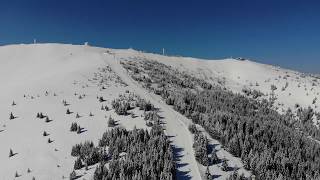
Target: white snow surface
<point>64,70</point>
<point>239,74</point>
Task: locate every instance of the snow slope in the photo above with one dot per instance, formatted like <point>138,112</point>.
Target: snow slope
<point>31,70</point>
<point>236,75</point>
<point>27,72</point>
<point>37,78</point>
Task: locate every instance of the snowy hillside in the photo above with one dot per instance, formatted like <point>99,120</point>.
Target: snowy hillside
<point>39,77</point>
<point>237,75</point>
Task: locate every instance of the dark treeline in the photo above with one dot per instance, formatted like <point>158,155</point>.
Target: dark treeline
<point>269,144</point>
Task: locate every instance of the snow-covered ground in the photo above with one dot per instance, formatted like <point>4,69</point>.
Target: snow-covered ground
<point>236,75</point>
<point>38,77</point>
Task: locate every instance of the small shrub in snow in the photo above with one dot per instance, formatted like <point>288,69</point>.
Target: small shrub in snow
<point>68,111</point>
<point>111,122</point>
<point>40,115</point>
<point>79,130</point>
<point>101,99</point>
<point>47,119</point>
<point>273,87</point>
<point>73,175</point>
<point>192,128</point>
<point>74,127</point>
<point>11,116</point>
<point>149,123</point>
<point>11,153</point>
<point>64,102</point>
<point>314,100</point>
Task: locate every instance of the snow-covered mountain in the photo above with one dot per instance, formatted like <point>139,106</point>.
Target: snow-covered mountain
<point>38,77</point>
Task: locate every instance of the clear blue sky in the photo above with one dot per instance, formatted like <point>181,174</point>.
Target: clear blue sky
<point>282,32</point>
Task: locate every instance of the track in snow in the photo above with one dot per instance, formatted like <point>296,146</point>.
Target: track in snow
<point>176,126</point>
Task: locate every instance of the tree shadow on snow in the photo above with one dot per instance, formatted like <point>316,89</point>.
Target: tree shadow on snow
<point>215,176</point>
<point>82,130</point>
<point>233,168</point>
<point>78,176</point>
<point>177,154</point>
<point>212,147</point>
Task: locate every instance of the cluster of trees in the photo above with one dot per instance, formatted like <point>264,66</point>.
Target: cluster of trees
<point>120,107</point>
<point>235,176</point>
<point>144,105</point>
<point>200,146</point>
<point>267,142</point>
<point>87,154</point>
<point>123,103</point>
<point>137,154</point>
<point>151,117</point>
<point>252,93</point>
<point>202,150</point>
<point>305,123</point>
<point>76,128</point>
<point>40,115</point>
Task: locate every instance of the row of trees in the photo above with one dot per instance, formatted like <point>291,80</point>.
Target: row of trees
<point>267,142</point>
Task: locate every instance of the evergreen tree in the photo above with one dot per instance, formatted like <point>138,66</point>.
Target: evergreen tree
<point>78,164</point>
<point>47,119</point>
<point>11,153</point>
<point>73,175</point>
<point>16,174</point>
<point>79,130</point>
<point>74,127</point>
<point>111,122</point>
<point>11,116</point>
